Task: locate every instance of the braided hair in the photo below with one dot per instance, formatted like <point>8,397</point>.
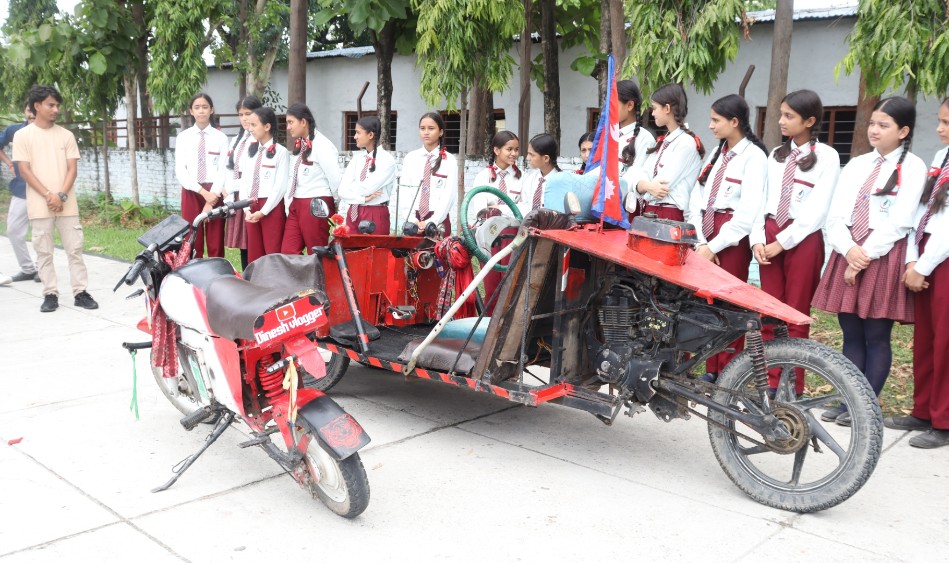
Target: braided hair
<point>301,112</point>
<point>674,96</point>
<point>250,103</point>
<point>903,113</point>
<point>500,139</point>
<point>371,124</point>
<point>628,91</point>
<point>807,104</point>
<point>731,107</point>
<point>434,116</point>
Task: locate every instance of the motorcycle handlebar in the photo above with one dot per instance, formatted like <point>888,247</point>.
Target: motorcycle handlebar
<point>136,268</point>
<point>220,212</point>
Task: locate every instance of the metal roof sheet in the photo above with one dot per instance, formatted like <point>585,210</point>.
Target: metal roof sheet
<point>840,11</point>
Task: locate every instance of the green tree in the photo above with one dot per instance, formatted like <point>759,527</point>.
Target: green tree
<point>683,41</point>
<point>15,82</point>
<point>895,45</point>
<point>391,26</point>
<point>757,5</point>
<point>26,14</point>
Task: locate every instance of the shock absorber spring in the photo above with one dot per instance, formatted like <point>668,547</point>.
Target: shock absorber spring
<point>755,344</point>
<point>781,331</point>
<point>271,383</point>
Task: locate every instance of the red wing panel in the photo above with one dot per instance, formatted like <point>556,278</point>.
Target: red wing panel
<point>707,280</point>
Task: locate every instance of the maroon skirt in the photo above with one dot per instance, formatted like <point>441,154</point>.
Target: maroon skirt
<point>235,231</point>
<point>878,294</point>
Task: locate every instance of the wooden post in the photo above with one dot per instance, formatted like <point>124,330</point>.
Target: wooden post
<point>778,82</point>
<point>296,68</point>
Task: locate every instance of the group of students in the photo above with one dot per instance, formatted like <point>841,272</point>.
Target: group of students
<point>884,214</point>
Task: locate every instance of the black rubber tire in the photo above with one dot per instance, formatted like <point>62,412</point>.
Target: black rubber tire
<point>342,485</point>
<point>854,465</point>
<point>335,370</point>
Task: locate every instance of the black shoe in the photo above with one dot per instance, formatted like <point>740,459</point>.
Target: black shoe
<point>844,419</point>
<point>50,303</point>
<point>85,301</point>
<point>831,415</point>
<point>23,276</point>
<point>906,423</point>
<point>36,277</point>
<point>933,438</point>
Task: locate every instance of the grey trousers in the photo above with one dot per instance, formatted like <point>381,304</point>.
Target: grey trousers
<point>17,224</point>
<point>70,233</point>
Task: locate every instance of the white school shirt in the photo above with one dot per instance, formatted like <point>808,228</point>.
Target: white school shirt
<point>810,197</point>
<point>937,248</point>
<point>353,191</point>
<point>679,165</point>
<point>237,150</point>
<point>186,157</point>
<point>891,216</point>
<point>481,201</point>
<point>529,182</point>
<point>443,187</point>
<point>644,141</point>
<point>274,174</point>
<point>742,190</point>
<point>319,175</point>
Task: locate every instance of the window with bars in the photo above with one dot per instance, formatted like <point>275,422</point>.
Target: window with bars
<point>453,128</point>
<point>837,129</point>
<point>349,128</point>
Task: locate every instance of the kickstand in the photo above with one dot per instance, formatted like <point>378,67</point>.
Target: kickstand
<point>219,427</point>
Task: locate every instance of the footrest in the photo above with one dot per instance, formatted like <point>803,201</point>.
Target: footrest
<point>260,439</point>
<point>345,333</point>
<point>196,418</point>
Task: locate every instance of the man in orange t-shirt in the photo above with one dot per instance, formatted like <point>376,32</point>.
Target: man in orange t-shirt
<point>47,155</point>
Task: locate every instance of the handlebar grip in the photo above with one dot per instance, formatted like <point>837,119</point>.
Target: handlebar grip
<point>134,272</point>
<point>240,204</point>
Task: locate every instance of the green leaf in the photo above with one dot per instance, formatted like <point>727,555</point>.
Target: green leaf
<point>97,63</point>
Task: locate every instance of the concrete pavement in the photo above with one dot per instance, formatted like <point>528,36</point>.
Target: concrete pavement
<point>454,475</point>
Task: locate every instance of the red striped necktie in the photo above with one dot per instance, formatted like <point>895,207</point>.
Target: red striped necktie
<point>708,218</point>
<point>202,158</point>
<point>941,182</point>
<point>423,204</point>
<point>860,220</point>
<point>787,186</point>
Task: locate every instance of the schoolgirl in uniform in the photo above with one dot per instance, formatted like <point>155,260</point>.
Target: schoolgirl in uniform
<point>927,275</point>
<point>235,234</point>
<point>786,237</point>
<point>428,186</point>
<point>367,181</point>
<point>634,140</point>
<point>199,156</point>
<point>873,209</point>
<point>502,174</point>
<point>585,145</point>
<point>727,198</point>
<point>662,184</point>
<point>265,183</point>
<point>542,152</point>
<point>314,173</point>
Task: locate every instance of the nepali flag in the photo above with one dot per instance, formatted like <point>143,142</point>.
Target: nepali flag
<point>607,201</point>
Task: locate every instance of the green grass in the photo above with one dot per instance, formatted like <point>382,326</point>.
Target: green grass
<point>112,229</point>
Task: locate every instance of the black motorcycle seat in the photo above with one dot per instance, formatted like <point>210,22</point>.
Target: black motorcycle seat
<point>200,273</point>
<point>234,304</point>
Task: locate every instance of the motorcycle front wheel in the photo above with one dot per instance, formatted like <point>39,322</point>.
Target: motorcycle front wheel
<point>178,390</point>
<point>342,485</point>
<point>822,463</point>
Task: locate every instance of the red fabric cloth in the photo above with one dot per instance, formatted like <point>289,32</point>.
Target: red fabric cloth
<point>931,348</point>
<point>164,330</point>
<point>454,256</point>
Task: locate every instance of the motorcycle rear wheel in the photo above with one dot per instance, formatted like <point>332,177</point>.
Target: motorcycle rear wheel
<point>342,485</point>
<point>841,459</point>
<point>336,366</point>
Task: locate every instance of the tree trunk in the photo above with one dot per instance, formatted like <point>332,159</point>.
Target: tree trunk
<point>384,45</point>
<point>164,132</point>
<point>861,142</point>
<point>296,66</point>
<point>480,113</point>
<point>131,105</point>
<point>524,105</point>
<point>618,35</point>
<point>778,83</point>
<point>242,39</point>
<point>606,32</point>
<point>462,148</point>
<point>105,157</point>
<point>548,43</point>
<point>141,78</point>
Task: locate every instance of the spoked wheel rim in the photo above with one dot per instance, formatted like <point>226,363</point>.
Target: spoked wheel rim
<point>326,473</point>
<point>177,390</point>
<point>801,416</point>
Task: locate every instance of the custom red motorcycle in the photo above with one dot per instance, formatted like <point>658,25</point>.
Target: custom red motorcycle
<point>227,348</point>
<point>609,321</point>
